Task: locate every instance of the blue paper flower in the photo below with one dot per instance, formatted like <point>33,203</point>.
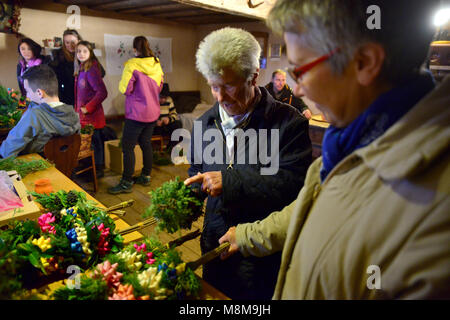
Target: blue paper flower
<point>162,267</point>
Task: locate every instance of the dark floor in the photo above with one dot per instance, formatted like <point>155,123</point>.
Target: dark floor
<point>191,249</point>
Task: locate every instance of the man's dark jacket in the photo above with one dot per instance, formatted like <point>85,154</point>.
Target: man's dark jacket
<point>287,96</point>
<point>249,196</point>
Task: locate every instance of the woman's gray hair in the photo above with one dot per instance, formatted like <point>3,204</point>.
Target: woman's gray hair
<point>325,25</point>
<point>231,48</point>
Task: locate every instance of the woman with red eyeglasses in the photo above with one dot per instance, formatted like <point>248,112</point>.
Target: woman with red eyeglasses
<point>372,220</point>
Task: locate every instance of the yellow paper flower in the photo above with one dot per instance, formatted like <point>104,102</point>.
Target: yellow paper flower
<point>42,243</point>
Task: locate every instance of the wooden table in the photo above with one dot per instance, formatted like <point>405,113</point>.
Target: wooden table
<point>60,182</point>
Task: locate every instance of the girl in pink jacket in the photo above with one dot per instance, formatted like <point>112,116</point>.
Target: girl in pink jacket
<point>90,92</point>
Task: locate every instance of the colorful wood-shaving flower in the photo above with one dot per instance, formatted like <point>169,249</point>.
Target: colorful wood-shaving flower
<point>123,292</point>
<point>43,243</point>
<point>44,222</point>
<point>109,273</point>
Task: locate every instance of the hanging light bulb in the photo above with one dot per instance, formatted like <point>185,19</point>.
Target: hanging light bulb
<point>441,17</point>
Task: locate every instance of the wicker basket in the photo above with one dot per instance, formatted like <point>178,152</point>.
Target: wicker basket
<point>85,146</point>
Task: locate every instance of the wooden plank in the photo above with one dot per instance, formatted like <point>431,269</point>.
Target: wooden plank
<point>180,13</point>
<point>117,4</point>
<point>154,8</point>
<point>235,7</point>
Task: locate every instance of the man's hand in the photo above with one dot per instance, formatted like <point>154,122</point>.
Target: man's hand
<point>84,110</point>
<point>307,114</point>
<point>230,237</point>
<point>211,182</point>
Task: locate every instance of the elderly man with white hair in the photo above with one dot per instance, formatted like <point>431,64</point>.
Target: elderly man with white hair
<point>242,186</point>
<point>373,219</point>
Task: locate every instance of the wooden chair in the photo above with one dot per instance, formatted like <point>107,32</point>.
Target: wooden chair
<point>63,152</point>
<point>86,152</point>
<point>161,141</point>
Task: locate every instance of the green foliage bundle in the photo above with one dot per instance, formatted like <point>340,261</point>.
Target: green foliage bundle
<point>61,199</point>
<point>149,270</point>
<point>90,289</point>
<point>23,167</point>
<point>11,108</point>
<point>87,129</point>
<point>175,206</point>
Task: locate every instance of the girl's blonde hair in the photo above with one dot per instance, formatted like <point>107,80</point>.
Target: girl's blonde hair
<point>88,64</point>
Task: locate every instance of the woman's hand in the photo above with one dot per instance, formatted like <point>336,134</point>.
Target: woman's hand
<point>230,237</point>
<point>84,110</point>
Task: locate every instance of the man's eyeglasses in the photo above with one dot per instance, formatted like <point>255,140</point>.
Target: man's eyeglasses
<point>298,72</point>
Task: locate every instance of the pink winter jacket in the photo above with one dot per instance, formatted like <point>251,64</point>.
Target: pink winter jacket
<point>141,83</point>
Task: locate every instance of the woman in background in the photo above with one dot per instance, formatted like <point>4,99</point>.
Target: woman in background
<point>63,65</point>
<point>90,92</point>
<point>141,82</point>
<point>30,56</point>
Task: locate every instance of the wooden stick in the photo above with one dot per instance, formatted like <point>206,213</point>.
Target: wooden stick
<point>119,213</point>
<point>179,241</point>
<point>137,226</point>
<point>121,205</point>
<point>208,256</point>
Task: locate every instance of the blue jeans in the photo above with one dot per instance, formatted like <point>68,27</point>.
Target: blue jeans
<point>135,132</point>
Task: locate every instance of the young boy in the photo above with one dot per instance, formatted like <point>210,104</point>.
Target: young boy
<point>46,116</point>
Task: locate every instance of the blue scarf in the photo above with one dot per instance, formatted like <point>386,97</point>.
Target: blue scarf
<point>386,110</point>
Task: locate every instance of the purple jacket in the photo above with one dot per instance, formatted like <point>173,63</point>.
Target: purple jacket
<point>141,83</point>
<point>90,91</point>
<point>22,67</point>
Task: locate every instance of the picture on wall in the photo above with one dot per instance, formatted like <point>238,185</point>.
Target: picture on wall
<point>263,39</point>
<point>119,49</point>
<point>275,51</point>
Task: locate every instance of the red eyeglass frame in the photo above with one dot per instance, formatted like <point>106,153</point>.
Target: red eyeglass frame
<point>298,72</point>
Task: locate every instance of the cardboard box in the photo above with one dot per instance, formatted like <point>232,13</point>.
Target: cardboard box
<point>114,157</point>
<point>30,209</point>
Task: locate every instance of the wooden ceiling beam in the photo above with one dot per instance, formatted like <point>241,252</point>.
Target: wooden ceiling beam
<point>113,4</point>
<point>145,4</point>
<point>170,12</point>
<point>76,2</point>
<point>163,6</point>
<point>258,9</point>
<point>180,13</point>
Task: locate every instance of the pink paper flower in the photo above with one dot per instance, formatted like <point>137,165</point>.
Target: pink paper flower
<point>141,247</point>
<point>150,256</point>
<point>109,273</point>
<point>44,222</point>
<point>103,245</point>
